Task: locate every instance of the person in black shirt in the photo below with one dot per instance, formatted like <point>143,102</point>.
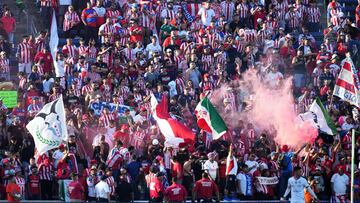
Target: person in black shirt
<point>124,190</point>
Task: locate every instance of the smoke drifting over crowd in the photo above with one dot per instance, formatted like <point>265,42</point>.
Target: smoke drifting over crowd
<point>270,110</point>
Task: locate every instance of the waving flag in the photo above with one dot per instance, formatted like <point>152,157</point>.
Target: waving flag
<point>347,85</point>
<point>54,37</point>
<point>173,130</point>
<point>209,119</point>
<point>48,127</point>
<point>319,118</point>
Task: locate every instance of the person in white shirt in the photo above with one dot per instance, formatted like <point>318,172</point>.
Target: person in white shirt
<point>58,155</point>
<point>153,47</point>
<point>47,83</point>
<point>296,186</point>
<point>102,190</point>
<point>211,166</point>
<point>252,164</point>
<point>274,77</point>
<point>59,66</point>
<point>339,185</point>
<point>206,14</point>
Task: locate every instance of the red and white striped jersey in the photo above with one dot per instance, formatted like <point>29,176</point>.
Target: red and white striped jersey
<point>83,50</point>
<point>329,48</point>
<point>107,29</point>
<point>39,43</point>
<point>272,25</point>
<point>208,61</point>
<point>193,9</point>
<point>302,10</point>
<point>46,3</point>
<point>293,19</point>
<point>231,97</point>
<point>240,45</point>
<point>86,89</point>
<point>227,10</point>
<point>123,35</point>
<point>54,96</point>
<point>248,35</point>
<point>196,25</point>
<point>244,10</point>
<point>148,21</point>
<point>106,118</point>
<point>138,139</point>
<point>334,19</point>
<point>46,172</point>
<point>69,66</point>
<point>34,108</point>
<point>24,52</point>
<point>22,83</point>
<point>70,20</point>
<point>220,59</point>
<point>166,13</point>
<point>114,160</point>
<point>282,9</point>
<point>21,183</point>
<point>92,52</point>
<point>185,48</point>
<point>113,15</point>
<point>40,69</point>
<point>313,14</point>
<point>124,91</point>
<point>70,50</point>
<point>275,167</point>
<point>111,182</point>
<point>137,97</point>
<point>4,66</point>
<point>180,85</point>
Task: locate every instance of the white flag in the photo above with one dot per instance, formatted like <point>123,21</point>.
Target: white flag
<point>48,127</point>
<point>54,38</point>
<point>319,118</point>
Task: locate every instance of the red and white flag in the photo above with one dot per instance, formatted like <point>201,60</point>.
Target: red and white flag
<point>347,84</point>
<point>173,130</point>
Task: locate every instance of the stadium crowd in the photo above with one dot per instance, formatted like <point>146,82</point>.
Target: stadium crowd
<point>119,51</point>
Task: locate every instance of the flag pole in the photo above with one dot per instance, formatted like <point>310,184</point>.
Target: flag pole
<point>352,165</point>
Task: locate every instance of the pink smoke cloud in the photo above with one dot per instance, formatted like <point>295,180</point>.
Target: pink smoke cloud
<point>269,110</point>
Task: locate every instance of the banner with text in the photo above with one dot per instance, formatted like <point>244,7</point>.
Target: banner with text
<point>9,98</point>
<point>99,106</point>
<point>268,180</point>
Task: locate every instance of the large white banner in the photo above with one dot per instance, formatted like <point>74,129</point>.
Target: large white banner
<point>48,127</point>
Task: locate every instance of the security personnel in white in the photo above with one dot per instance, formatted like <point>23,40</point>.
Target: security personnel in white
<point>296,185</point>
<point>102,190</point>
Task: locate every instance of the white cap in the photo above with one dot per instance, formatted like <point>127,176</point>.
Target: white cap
<point>155,142</point>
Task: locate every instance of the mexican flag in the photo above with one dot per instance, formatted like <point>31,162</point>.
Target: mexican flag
<point>319,118</point>
<point>209,119</point>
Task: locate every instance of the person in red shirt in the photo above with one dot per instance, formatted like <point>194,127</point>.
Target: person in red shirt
<point>156,188</point>
<point>9,24</point>
<point>175,192</point>
<point>34,184</point>
<point>13,190</point>
<point>177,170</point>
<point>46,57</point>
<point>76,190</point>
<point>136,31</point>
<point>204,189</point>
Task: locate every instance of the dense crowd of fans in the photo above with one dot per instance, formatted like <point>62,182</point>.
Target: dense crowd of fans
<point>120,51</point>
